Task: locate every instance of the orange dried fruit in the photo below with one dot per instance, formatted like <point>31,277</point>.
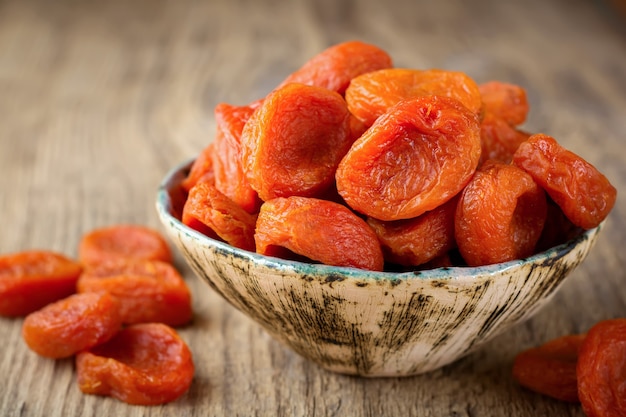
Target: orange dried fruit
<point>415,157</point>
<point>78,322</point>
<point>147,291</point>
<point>505,100</point>
<point>334,67</point>
<point>294,141</point>
<point>31,279</point>
<point>550,369</point>
<point>584,194</point>
<point>319,230</point>
<point>500,215</point>
<point>372,94</point>
<point>212,213</point>
<point>144,364</point>
<point>125,241</point>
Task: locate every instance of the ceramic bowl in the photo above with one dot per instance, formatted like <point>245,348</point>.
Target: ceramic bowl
<point>372,323</point>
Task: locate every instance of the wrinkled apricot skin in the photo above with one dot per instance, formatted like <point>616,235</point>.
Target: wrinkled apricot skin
<point>217,216</point>
<point>584,194</point>
<point>125,241</point>
<point>29,280</point>
<point>500,215</point>
<point>416,241</point>
<point>144,364</point>
<point>550,369</point>
<point>68,326</point>
<point>147,291</point>
<point>334,67</point>
<point>505,101</point>
<point>415,157</point>
<point>230,179</point>
<point>294,141</point>
<point>601,370</point>
<point>372,94</point>
<point>320,230</point>
<point>499,139</point>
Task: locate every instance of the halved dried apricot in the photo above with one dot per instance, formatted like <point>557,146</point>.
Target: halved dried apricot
<point>505,100</point>
<point>416,156</point>
<point>373,93</point>
<point>201,169</point>
<point>550,369</point>
<point>334,67</point>
<point>414,242</point>
<point>32,279</point>
<point>319,230</point>
<point>144,364</point>
<point>73,324</point>
<point>217,216</point>
<point>584,194</point>
<point>499,140</point>
<point>500,215</point>
<point>294,141</point>
<point>230,178</point>
<point>123,241</point>
<point>601,370</point>
<point>148,291</point>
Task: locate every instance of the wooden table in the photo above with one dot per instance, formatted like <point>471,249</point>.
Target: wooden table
<point>98,100</point>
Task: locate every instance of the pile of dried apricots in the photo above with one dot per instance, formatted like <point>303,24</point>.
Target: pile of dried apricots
<point>353,162</point>
<point>114,309</point>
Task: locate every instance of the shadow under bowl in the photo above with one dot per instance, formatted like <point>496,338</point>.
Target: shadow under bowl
<point>368,323</point>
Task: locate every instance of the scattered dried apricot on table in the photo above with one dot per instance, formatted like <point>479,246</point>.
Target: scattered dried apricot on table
<point>31,279</point>
<point>147,291</point>
<point>73,324</point>
<point>601,370</point>
<point>550,369</point>
<point>123,241</point>
<point>144,364</point>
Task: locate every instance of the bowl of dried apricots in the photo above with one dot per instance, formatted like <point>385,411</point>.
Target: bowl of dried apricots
<point>383,221</point>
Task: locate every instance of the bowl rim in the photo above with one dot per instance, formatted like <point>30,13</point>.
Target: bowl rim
<point>456,273</point>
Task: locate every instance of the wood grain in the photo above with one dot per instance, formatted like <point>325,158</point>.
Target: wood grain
<point>98,100</point>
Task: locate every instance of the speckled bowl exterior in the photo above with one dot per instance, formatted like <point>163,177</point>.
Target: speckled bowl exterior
<point>372,323</point>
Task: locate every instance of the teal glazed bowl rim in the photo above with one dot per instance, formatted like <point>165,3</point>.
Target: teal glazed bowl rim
<point>176,174</point>
<point>368,323</point>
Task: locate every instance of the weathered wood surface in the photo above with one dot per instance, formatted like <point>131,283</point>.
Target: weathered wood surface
<point>98,100</point>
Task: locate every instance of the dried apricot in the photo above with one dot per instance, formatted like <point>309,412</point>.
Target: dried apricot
<point>372,94</point>
<point>506,101</point>
<point>294,141</point>
<point>75,323</point>
<point>201,168</point>
<point>144,364</point>
<point>320,230</point>
<point>601,370</point>
<point>414,242</point>
<point>584,194</point>
<point>499,140</point>
<point>500,215</point>
<point>550,369</point>
<point>414,158</point>
<point>148,291</point>
<point>123,241</point>
<point>229,176</point>
<point>334,67</point>
<point>32,279</point>
<point>217,216</point>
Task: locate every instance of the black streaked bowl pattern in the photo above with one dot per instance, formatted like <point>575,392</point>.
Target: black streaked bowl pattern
<point>372,323</point>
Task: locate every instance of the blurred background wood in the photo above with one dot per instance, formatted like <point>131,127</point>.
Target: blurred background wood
<point>98,100</point>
